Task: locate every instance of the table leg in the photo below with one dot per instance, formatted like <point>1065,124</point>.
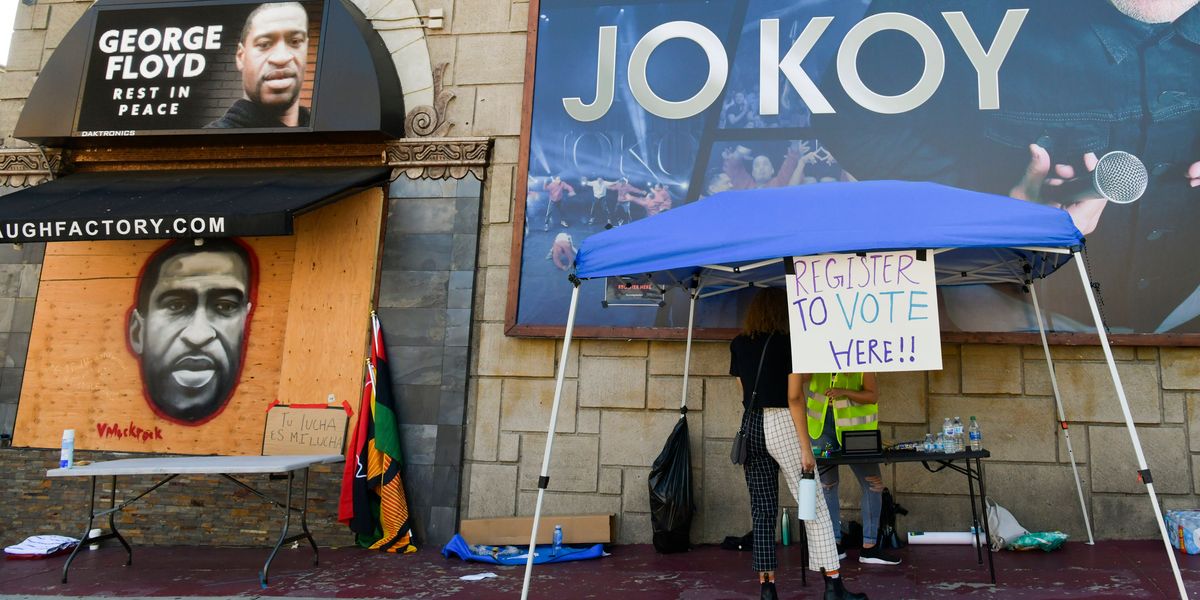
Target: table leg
<point>975,528</point>
<point>86,530</point>
<point>983,506</point>
<point>304,520</point>
<point>283,535</point>
<point>112,522</point>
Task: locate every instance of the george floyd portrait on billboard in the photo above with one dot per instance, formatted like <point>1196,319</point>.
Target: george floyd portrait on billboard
<point>640,107</point>
<point>190,323</point>
<point>231,66</point>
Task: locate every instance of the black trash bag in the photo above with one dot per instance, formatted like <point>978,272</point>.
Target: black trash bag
<point>670,482</point>
<point>889,535</point>
<point>742,543</point>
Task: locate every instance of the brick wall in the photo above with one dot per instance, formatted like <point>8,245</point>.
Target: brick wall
<point>190,510</point>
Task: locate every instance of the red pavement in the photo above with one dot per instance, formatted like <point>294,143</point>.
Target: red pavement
<point>1137,569</point>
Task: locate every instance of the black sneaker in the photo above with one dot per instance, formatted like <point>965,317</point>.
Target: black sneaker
<point>841,551</point>
<point>876,555</point>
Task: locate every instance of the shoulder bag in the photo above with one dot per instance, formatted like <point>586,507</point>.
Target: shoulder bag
<point>741,442</point>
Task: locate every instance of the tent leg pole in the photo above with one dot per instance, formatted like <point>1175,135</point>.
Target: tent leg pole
<point>1062,414</point>
<point>1133,435</point>
<point>687,353</point>
<point>543,481</point>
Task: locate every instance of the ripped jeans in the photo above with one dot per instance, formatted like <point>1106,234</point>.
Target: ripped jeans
<point>869,478</point>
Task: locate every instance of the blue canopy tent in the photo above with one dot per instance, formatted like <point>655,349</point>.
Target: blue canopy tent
<point>739,238</point>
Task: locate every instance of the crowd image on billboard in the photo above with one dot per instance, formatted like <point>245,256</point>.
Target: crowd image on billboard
<point>748,165</point>
<point>1011,97</point>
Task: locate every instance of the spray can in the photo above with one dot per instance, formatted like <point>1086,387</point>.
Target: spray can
<point>787,528</point>
<point>807,510</point>
<point>66,457</point>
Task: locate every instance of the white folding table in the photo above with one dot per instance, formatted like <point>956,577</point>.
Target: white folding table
<point>174,466</point>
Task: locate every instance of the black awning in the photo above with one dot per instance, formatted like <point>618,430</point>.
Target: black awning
<point>175,204</point>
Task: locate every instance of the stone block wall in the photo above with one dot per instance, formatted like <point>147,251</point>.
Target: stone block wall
<point>20,271</point>
<point>620,398</point>
<point>37,30</point>
<point>620,401</point>
<point>426,294</point>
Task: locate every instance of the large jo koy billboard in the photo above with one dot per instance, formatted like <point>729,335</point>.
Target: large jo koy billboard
<point>638,108</point>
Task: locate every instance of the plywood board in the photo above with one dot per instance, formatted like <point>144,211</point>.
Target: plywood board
<point>333,284</point>
<point>81,373</point>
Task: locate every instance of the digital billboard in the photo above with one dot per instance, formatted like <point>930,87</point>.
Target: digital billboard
<point>171,69</point>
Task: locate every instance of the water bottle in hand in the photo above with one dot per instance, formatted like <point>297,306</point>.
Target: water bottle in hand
<point>807,509</point>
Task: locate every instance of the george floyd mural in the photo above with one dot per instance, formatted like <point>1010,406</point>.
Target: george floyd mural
<point>180,346</point>
<point>640,107</point>
<point>189,326</point>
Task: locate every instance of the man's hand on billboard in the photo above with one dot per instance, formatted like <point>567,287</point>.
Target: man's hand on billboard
<point>1085,212</point>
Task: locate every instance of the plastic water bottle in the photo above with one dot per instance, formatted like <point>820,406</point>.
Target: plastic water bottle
<point>807,509</point>
<point>929,444</point>
<point>976,435</point>
<point>557,540</point>
<point>786,528</point>
<point>66,458</point>
<point>960,435</point>
<point>948,436</point>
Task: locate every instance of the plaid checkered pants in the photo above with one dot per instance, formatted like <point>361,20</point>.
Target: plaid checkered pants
<point>773,444</point>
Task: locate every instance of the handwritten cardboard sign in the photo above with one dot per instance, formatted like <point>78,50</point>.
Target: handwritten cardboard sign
<point>873,312</point>
<point>304,431</point>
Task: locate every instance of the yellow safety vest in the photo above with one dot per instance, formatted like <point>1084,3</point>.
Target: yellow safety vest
<point>847,414</point>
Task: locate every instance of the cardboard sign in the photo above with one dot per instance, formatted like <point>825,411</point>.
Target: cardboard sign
<point>872,312</point>
<point>304,431</point>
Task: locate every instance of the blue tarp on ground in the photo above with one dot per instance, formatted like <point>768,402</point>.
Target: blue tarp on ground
<point>517,555</point>
<point>738,227</point>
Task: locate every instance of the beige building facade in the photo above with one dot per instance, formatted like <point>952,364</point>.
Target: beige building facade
<point>621,397</point>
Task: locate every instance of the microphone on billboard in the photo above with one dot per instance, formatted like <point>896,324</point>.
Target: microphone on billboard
<point>1118,177</point>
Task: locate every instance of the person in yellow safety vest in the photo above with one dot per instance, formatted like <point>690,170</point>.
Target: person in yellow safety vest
<point>837,402</point>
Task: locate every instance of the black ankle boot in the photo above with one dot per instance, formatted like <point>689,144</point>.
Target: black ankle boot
<point>768,591</point>
<point>835,589</point>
